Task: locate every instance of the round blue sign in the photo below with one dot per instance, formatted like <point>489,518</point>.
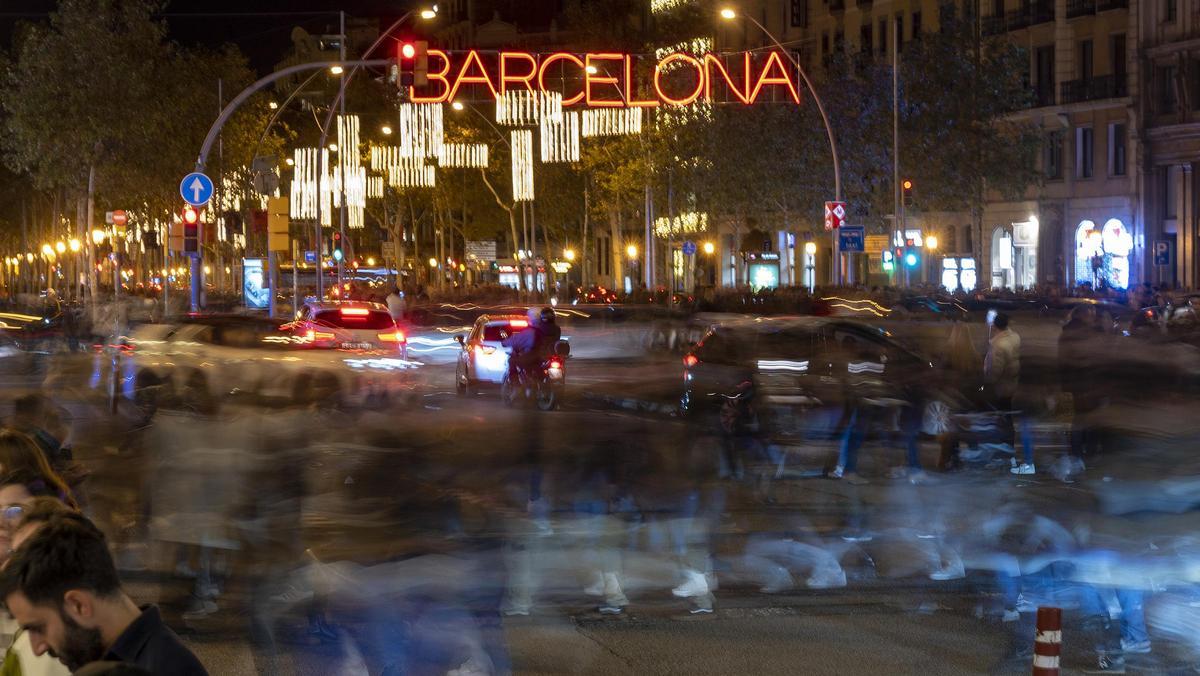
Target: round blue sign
<point>689,248</point>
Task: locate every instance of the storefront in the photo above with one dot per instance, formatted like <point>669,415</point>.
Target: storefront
<point>958,273</point>
<point>762,270</point>
<point>1102,254</point>
<point>1014,255</point>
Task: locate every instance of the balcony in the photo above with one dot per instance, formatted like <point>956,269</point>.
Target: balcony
<point>1078,8</point>
<point>1094,89</point>
<point>1043,95</point>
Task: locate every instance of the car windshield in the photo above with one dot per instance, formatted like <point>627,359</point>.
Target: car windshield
<point>355,318</point>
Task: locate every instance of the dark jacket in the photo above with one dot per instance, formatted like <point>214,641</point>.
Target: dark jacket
<point>151,645</point>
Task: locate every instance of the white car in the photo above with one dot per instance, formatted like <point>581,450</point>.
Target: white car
<point>349,325</point>
<point>483,359</point>
<point>204,359</point>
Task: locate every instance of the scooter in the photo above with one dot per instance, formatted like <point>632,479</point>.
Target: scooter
<point>544,384</point>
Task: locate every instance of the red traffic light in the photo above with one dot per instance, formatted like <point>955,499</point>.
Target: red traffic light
<point>408,50</point>
<point>190,215</point>
<point>907,184</point>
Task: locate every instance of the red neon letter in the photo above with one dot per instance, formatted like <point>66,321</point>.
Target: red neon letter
<point>661,68</point>
<point>465,78</point>
<point>560,56</point>
<point>629,88</point>
<point>781,79</point>
<point>596,78</point>
<point>439,76</point>
<point>526,79</point>
<point>742,94</point>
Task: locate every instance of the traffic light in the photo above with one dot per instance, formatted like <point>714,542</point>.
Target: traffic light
<point>421,63</point>
<point>336,249</point>
<point>906,192</point>
<point>911,259</point>
<point>191,229</point>
<point>405,66</point>
<point>889,261</point>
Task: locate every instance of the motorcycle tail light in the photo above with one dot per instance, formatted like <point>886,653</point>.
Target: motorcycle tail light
<point>690,360</point>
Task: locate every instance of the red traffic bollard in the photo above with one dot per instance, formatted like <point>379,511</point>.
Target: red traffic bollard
<point>1047,645</point>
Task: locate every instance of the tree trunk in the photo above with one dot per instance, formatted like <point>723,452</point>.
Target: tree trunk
<point>618,251</point>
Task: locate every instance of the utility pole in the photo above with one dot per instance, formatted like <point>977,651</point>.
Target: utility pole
<point>898,206</point>
<point>341,150</point>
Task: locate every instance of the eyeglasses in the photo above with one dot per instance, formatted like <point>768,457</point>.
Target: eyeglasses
<point>12,512</point>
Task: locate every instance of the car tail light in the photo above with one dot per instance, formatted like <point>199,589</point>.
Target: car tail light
<point>393,337</point>
<point>690,360</point>
<point>355,312</point>
<point>481,350</point>
<point>518,324</point>
<point>318,335</point>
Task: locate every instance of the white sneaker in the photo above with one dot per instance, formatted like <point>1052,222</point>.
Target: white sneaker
<point>292,595</point>
<point>838,472</point>
<point>694,585</point>
<point>1139,648</point>
<point>613,595</point>
<point>1023,468</point>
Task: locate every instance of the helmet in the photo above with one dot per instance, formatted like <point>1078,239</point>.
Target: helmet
<point>534,316</point>
<point>546,315</point>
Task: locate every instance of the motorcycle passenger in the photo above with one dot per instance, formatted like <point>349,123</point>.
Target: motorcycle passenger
<point>531,346</point>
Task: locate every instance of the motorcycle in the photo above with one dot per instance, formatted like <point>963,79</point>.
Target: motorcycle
<point>543,384</point>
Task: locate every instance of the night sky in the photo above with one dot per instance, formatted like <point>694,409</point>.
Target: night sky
<point>264,38</point>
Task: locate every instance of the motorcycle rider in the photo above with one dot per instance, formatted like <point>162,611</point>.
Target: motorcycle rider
<point>532,345</point>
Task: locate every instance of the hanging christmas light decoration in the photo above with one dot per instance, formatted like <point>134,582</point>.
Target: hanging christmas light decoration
<point>374,187</point>
<point>611,122</point>
<point>464,155</point>
<point>401,170</point>
<point>522,165</point>
<point>522,108</point>
<point>560,141</point>
<point>350,178</point>
<point>306,182</point>
<point>421,130</point>
<point>687,223</point>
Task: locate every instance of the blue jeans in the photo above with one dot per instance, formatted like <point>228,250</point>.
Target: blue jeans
<point>852,440</point>
<point>1025,427</point>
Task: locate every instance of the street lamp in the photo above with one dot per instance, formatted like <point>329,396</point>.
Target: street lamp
<point>74,245</point>
<point>47,251</point>
<point>387,131</point>
<point>810,250</point>
<point>569,254</point>
<point>728,13</point>
<point>429,13</point>
<point>457,105</point>
<point>336,70</point>
<point>631,251</point>
<point>931,242</point>
<point>60,247</point>
<point>709,248</point>
<point>433,262</point>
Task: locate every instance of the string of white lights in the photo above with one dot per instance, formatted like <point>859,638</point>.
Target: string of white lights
<point>611,122</point>
<point>522,108</point>
<point>421,129</point>
<point>688,222</point>
<point>374,187</point>
<point>522,165</point>
<point>401,170</point>
<point>560,141</point>
<point>306,182</point>
<point>464,155</point>
<point>660,6</point>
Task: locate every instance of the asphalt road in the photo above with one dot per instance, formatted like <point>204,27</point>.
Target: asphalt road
<point>375,490</point>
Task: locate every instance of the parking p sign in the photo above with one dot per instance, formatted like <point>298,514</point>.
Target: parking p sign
<point>1162,252</point>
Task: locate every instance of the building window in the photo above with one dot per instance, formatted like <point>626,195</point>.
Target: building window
<point>864,39</point>
<point>839,42</point>
<point>997,7</point>
<point>824,43</point>
<point>1052,155</point>
<point>916,25</point>
<point>1172,10</point>
<point>899,33</point>
<point>1165,81</point>
<point>1083,152</point>
<point>883,38</point>
<point>799,13</point>
<point>1085,59</point>
<point>1117,53</point>
<point>1116,149</point>
<point>1043,76</point>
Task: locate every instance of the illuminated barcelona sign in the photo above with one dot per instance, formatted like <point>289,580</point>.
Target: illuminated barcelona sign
<point>611,80</point>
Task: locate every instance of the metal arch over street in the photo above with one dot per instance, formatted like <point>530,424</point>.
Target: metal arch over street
<point>261,83</point>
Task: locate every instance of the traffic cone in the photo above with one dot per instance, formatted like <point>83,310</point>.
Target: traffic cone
<point>1047,645</point>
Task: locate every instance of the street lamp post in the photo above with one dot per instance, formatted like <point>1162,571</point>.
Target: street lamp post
<point>728,14</point>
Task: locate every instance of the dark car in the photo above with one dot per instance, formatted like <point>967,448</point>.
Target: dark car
<point>805,371</point>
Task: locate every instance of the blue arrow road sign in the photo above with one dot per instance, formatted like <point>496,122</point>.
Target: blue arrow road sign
<point>689,248</point>
<point>196,189</point>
